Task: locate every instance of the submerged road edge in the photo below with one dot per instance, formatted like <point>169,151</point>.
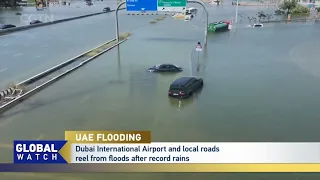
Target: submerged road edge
<point>33,91</point>
<point>26,27</point>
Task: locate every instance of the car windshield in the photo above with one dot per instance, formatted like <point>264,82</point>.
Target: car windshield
<point>157,66</point>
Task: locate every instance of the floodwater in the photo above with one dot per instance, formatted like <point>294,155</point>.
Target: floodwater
<point>260,84</point>
<point>54,12</point>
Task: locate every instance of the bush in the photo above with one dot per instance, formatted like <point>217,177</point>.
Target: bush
<point>318,9</point>
<point>288,5</point>
<point>124,35</point>
<point>300,10</point>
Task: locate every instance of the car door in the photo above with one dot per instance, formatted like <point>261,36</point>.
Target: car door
<point>194,84</point>
<point>171,67</point>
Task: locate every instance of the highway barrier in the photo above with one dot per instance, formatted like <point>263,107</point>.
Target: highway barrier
<point>6,92</point>
<point>37,87</point>
<point>21,28</point>
<point>57,67</point>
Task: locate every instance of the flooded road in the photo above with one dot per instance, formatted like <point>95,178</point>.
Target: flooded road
<point>260,84</point>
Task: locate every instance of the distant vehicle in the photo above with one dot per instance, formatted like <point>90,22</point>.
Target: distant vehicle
<point>6,26</point>
<point>89,4</point>
<point>257,25</point>
<point>35,22</point>
<point>188,17</point>
<point>191,11</point>
<point>184,87</point>
<point>106,9</point>
<point>165,68</point>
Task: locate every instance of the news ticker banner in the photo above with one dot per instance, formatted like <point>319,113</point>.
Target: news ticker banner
<point>133,151</point>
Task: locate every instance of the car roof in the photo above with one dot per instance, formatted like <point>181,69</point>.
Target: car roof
<point>182,80</point>
<point>166,65</point>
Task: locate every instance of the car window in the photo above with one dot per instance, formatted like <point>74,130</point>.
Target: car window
<point>191,82</point>
<point>163,67</point>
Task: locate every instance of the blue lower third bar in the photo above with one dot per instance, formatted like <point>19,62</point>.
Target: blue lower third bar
<point>35,152</point>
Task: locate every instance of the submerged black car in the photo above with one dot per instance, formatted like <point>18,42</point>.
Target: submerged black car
<point>165,68</point>
<point>6,26</point>
<point>35,22</point>
<point>184,87</point>
<point>106,9</point>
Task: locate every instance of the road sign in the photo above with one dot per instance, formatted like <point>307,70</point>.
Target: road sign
<point>172,5</point>
<point>141,5</point>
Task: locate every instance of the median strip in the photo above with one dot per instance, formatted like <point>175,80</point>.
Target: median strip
<point>21,91</point>
<point>157,20</point>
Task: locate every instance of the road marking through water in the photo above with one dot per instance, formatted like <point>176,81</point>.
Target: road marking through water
<point>19,54</point>
<point>26,45</point>
<point>40,137</point>
<point>17,37</point>
<point>1,70</point>
<point>44,45</point>
<point>195,26</point>
<point>6,45</point>
<point>85,98</point>
<point>190,62</point>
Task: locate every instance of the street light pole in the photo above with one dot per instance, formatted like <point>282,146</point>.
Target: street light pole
<point>117,22</point>
<point>237,9</point>
<point>207,19</point>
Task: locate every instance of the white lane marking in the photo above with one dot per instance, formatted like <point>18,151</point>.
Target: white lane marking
<point>26,45</point>
<point>1,70</point>
<point>195,26</point>
<point>85,98</point>
<point>6,45</point>
<point>19,54</point>
<point>38,56</point>
<point>17,37</point>
<point>44,46</point>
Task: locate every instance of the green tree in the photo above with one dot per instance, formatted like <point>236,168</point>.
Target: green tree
<point>288,5</point>
<point>9,3</point>
<point>301,10</point>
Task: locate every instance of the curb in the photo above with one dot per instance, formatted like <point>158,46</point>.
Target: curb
<point>33,91</point>
<point>22,28</point>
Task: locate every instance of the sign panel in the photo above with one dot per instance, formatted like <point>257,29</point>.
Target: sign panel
<point>141,5</point>
<point>172,5</point>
